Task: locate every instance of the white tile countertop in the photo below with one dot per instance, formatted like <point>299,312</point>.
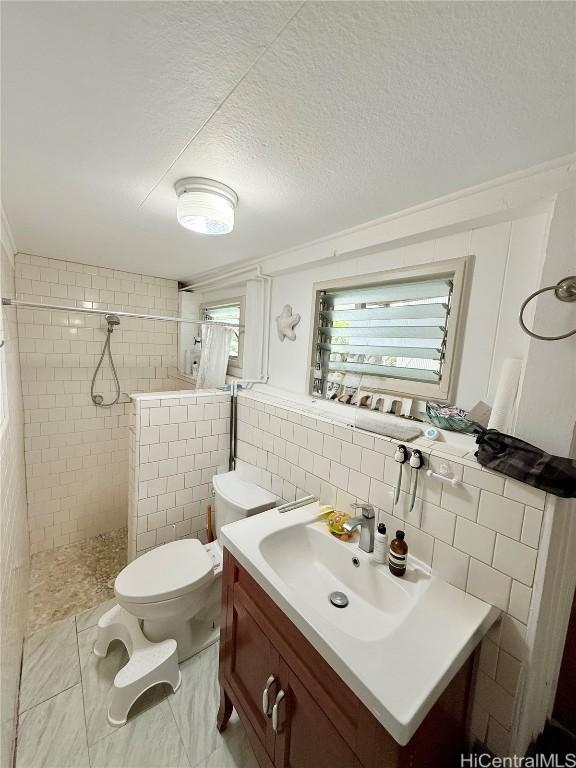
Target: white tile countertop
<point>450,445</point>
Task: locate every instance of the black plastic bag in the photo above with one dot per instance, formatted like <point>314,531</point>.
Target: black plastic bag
<point>527,463</point>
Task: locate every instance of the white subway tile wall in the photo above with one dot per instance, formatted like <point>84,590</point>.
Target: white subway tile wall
<point>482,536</point>
<point>14,560</point>
<point>178,442</point>
<point>77,453</point>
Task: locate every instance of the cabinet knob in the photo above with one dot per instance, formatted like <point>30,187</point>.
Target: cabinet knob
<point>265,696</point>
<point>277,703</point>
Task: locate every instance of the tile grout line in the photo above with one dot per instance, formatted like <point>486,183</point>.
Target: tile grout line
<point>179,731</point>
<point>106,735</point>
<point>17,714</point>
<point>204,759</point>
<point>48,698</point>
<point>82,694</point>
<point>169,700</point>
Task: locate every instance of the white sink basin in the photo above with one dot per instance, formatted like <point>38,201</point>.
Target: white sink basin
<point>312,563</point>
<point>397,643</point>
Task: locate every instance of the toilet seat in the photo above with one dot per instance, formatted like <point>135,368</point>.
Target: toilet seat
<point>169,571</point>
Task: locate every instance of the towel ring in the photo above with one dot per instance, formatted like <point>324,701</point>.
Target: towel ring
<point>565,290</point>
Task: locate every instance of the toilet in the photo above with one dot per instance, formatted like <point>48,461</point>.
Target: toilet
<point>168,601</point>
<point>175,588</point>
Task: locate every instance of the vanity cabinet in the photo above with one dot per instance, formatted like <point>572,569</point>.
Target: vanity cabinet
<point>297,711</point>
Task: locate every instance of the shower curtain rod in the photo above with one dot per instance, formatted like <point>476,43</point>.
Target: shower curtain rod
<point>135,315</point>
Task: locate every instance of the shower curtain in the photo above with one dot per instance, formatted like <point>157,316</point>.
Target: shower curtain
<point>214,357</point>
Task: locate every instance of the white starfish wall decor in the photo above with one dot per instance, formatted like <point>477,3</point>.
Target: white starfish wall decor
<point>286,322</point>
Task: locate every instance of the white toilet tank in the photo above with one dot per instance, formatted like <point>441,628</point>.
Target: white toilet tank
<point>236,498</point>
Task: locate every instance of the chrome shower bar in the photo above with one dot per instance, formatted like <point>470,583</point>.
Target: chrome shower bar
<point>90,311</point>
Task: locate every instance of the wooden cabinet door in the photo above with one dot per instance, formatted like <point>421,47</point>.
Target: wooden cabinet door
<point>253,662</point>
<point>305,735</point>
<point>565,704</point>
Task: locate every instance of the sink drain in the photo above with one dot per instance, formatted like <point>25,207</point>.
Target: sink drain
<point>339,599</point>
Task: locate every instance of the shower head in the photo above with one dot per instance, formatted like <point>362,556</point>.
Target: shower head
<point>112,320</point>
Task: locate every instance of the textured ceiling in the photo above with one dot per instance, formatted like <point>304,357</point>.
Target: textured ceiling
<point>321,115</point>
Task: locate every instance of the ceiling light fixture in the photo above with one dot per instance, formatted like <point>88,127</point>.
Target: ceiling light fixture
<point>205,206</point>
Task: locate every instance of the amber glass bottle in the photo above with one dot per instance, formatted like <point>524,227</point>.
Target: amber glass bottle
<point>398,555</point>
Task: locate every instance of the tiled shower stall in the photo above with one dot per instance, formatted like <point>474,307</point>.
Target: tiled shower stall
<point>77,453</point>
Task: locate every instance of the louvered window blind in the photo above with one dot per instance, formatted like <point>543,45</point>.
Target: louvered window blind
<point>396,330</point>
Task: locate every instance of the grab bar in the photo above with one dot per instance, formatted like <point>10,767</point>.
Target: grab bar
<point>453,481</point>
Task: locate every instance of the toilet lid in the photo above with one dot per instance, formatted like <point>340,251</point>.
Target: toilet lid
<point>165,572</point>
<point>244,495</point>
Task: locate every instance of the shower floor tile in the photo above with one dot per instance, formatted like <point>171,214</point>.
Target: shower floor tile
<point>71,579</point>
<point>164,730</point>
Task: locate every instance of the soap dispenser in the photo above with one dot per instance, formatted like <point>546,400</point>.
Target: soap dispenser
<point>398,555</point>
<point>381,544</point>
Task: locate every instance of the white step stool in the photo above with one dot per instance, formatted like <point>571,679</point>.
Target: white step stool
<point>150,663</point>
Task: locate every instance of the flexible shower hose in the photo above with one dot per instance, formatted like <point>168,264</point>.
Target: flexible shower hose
<point>98,399</point>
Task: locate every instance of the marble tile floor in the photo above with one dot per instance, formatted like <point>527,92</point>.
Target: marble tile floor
<point>64,698</point>
<point>69,579</point>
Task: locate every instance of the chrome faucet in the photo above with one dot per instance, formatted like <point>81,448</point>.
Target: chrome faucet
<point>366,523</point>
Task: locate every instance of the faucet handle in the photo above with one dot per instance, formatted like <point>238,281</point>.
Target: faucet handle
<point>367,509</point>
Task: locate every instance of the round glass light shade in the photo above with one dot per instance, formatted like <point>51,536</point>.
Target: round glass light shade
<point>205,206</point>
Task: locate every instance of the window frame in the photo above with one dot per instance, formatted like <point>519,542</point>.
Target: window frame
<point>235,365</point>
<point>459,270</point>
